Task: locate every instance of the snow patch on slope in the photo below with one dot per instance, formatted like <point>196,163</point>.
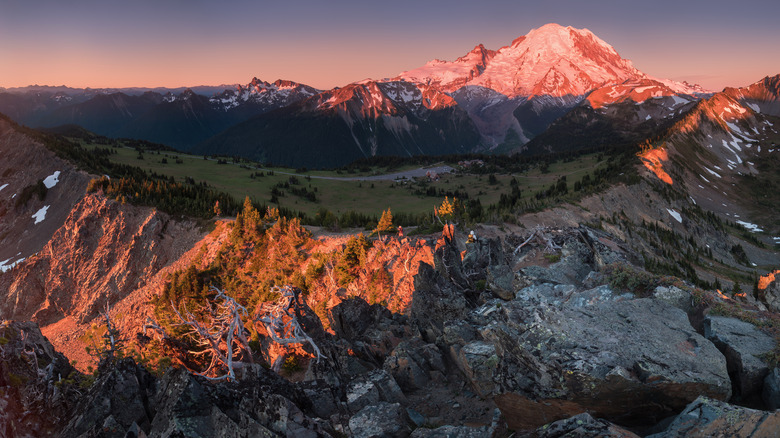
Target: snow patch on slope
<point>675,215</point>
<point>52,179</point>
<point>753,228</point>
<point>40,215</point>
<point>5,266</point>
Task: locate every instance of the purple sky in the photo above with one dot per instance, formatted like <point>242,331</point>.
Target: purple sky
<point>327,43</point>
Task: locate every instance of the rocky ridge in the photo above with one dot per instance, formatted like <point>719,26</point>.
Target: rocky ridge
<point>541,347</point>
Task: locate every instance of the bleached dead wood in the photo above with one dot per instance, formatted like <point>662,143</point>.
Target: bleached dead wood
<point>281,322</point>
<point>222,338</point>
<point>550,245</point>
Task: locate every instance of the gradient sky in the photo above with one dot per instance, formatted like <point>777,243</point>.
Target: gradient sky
<point>327,43</point>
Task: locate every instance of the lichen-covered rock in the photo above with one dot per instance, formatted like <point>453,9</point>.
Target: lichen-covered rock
<point>372,388</point>
<point>714,418</point>
<point>743,344</point>
<point>675,296</point>
<point>478,362</point>
<point>501,281</point>
<point>382,420</point>
<point>627,361</point>
<point>569,295</point>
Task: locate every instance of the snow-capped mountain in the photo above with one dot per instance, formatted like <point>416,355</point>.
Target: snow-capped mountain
<point>525,86</point>
<point>509,96</point>
<point>549,61</point>
<point>269,95</point>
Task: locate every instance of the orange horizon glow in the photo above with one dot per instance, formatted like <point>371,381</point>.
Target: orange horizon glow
<point>313,64</point>
<point>176,43</point>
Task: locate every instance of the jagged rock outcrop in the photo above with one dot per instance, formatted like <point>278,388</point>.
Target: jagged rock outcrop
<point>117,400</point>
<point>353,316</point>
<point>33,402</point>
<point>126,397</point>
<point>435,301</point>
<point>575,357</point>
<point>708,417</point>
<point>261,404</point>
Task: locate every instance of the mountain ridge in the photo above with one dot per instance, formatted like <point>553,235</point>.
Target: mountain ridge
<point>509,96</point>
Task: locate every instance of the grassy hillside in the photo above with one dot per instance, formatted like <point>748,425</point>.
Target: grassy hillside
<point>340,191</point>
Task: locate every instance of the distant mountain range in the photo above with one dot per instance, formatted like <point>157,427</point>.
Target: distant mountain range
<point>495,101</point>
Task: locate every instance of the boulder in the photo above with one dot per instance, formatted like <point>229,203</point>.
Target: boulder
<point>501,281</point>
<point>771,392</point>
<point>743,344</point>
<point>714,418</point>
<point>382,420</point>
<point>412,362</point>
<point>582,426</point>
<point>372,388</point>
<point>630,362</point>
<point>675,296</point>
<point>478,362</point>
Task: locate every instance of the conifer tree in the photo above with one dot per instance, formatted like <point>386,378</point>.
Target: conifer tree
<point>385,222</point>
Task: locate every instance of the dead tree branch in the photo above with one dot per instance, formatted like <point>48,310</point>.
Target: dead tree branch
<point>223,337</point>
<point>538,232</point>
<point>281,322</point>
